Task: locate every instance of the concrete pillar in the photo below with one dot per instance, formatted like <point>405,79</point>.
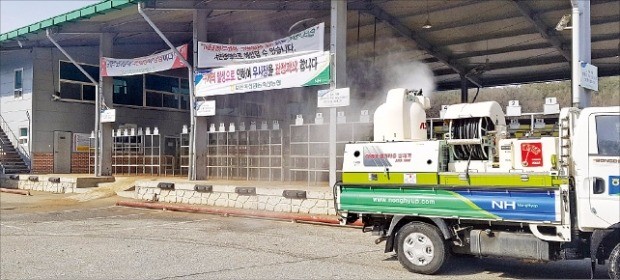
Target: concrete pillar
<point>338,50</point>
<point>464,89</point>
<point>106,48</point>
<point>200,135</point>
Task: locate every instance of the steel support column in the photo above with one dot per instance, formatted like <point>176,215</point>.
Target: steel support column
<point>106,49</point>
<point>464,97</point>
<point>582,49</point>
<point>338,50</point>
<point>200,123</point>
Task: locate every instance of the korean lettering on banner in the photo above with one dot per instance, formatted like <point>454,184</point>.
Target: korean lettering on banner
<point>217,55</point>
<point>112,67</point>
<point>298,71</point>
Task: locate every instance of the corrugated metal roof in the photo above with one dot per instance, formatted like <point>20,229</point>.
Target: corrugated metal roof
<point>494,42</point>
<point>87,12</point>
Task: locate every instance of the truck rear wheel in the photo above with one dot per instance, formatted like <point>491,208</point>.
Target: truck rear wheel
<point>421,248</point>
<point>614,263</point>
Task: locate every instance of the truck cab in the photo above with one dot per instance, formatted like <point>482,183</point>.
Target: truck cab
<point>596,163</point>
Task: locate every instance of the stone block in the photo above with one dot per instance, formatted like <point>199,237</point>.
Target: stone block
<point>273,200</point>
<point>262,205</point>
<point>251,205</point>
<point>242,199</point>
<point>308,204</point>
<point>189,194</point>
<point>283,208</point>
<point>321,204</point>
<point>221,202</point>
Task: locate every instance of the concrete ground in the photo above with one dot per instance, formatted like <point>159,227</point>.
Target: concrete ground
<point>47,236</point>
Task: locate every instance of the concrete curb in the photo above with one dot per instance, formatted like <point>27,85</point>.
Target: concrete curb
<point>14,191</point>
<point>238,213</point>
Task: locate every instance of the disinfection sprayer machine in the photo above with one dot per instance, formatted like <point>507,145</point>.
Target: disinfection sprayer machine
<point>480,192</point>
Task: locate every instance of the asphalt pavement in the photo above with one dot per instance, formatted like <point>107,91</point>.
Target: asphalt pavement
<point>47,236</point>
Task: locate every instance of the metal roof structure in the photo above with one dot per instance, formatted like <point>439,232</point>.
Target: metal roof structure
<point>491,43</point>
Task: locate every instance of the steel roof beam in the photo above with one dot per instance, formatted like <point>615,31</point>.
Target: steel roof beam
<point>420,42</point>
<point>544,30</point>
<point>597,54</point>
<point>94,28</point>
<point>511,79</point>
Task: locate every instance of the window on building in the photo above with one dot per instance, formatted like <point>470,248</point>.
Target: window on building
<point>140,90</point>
<point>74,84</point>
<point>166,92</point>
<point>68,71</point>
<point>89,92</point>
<point>128,90</point>
<point>23,135</point>
<point>153,99</point>
<point>18,82</point>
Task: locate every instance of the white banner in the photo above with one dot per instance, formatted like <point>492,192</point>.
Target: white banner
<point>300,71</point>
<point>216,55</point>
<point>112,67</point>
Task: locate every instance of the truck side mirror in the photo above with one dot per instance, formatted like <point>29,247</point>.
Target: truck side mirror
<point>598,186</point>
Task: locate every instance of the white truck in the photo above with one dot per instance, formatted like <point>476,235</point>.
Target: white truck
<point>480,192</point>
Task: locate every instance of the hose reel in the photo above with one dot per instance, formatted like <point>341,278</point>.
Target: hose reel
<point>469,138</point>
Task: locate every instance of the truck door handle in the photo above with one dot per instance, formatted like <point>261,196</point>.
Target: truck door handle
<point>598,186</point>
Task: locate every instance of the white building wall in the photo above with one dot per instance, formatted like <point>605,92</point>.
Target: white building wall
<point>14,110</point>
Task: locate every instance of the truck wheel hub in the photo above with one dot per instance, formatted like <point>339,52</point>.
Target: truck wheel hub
<point>419,249</point>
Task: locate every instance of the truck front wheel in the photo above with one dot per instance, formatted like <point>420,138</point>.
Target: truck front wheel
<point>614,263</point>
<point>421,248</point>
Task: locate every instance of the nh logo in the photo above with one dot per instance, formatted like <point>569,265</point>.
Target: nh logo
<point>503,204</point>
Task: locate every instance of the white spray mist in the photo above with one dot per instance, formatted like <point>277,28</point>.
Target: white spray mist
<point>412,75</point>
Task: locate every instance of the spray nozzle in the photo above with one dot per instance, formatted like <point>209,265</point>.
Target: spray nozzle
<point>415,92</point>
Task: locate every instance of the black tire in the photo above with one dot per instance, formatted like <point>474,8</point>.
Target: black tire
<point>421,248</point>
<point>614,263</point>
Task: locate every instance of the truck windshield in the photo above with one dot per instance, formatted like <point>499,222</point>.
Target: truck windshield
<point>608,134</point>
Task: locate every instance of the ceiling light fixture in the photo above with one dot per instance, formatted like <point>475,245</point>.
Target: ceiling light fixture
<point>563,24</point>
<point>427,24</point>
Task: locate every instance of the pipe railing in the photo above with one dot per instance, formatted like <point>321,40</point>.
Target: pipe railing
<point>23,153</point>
